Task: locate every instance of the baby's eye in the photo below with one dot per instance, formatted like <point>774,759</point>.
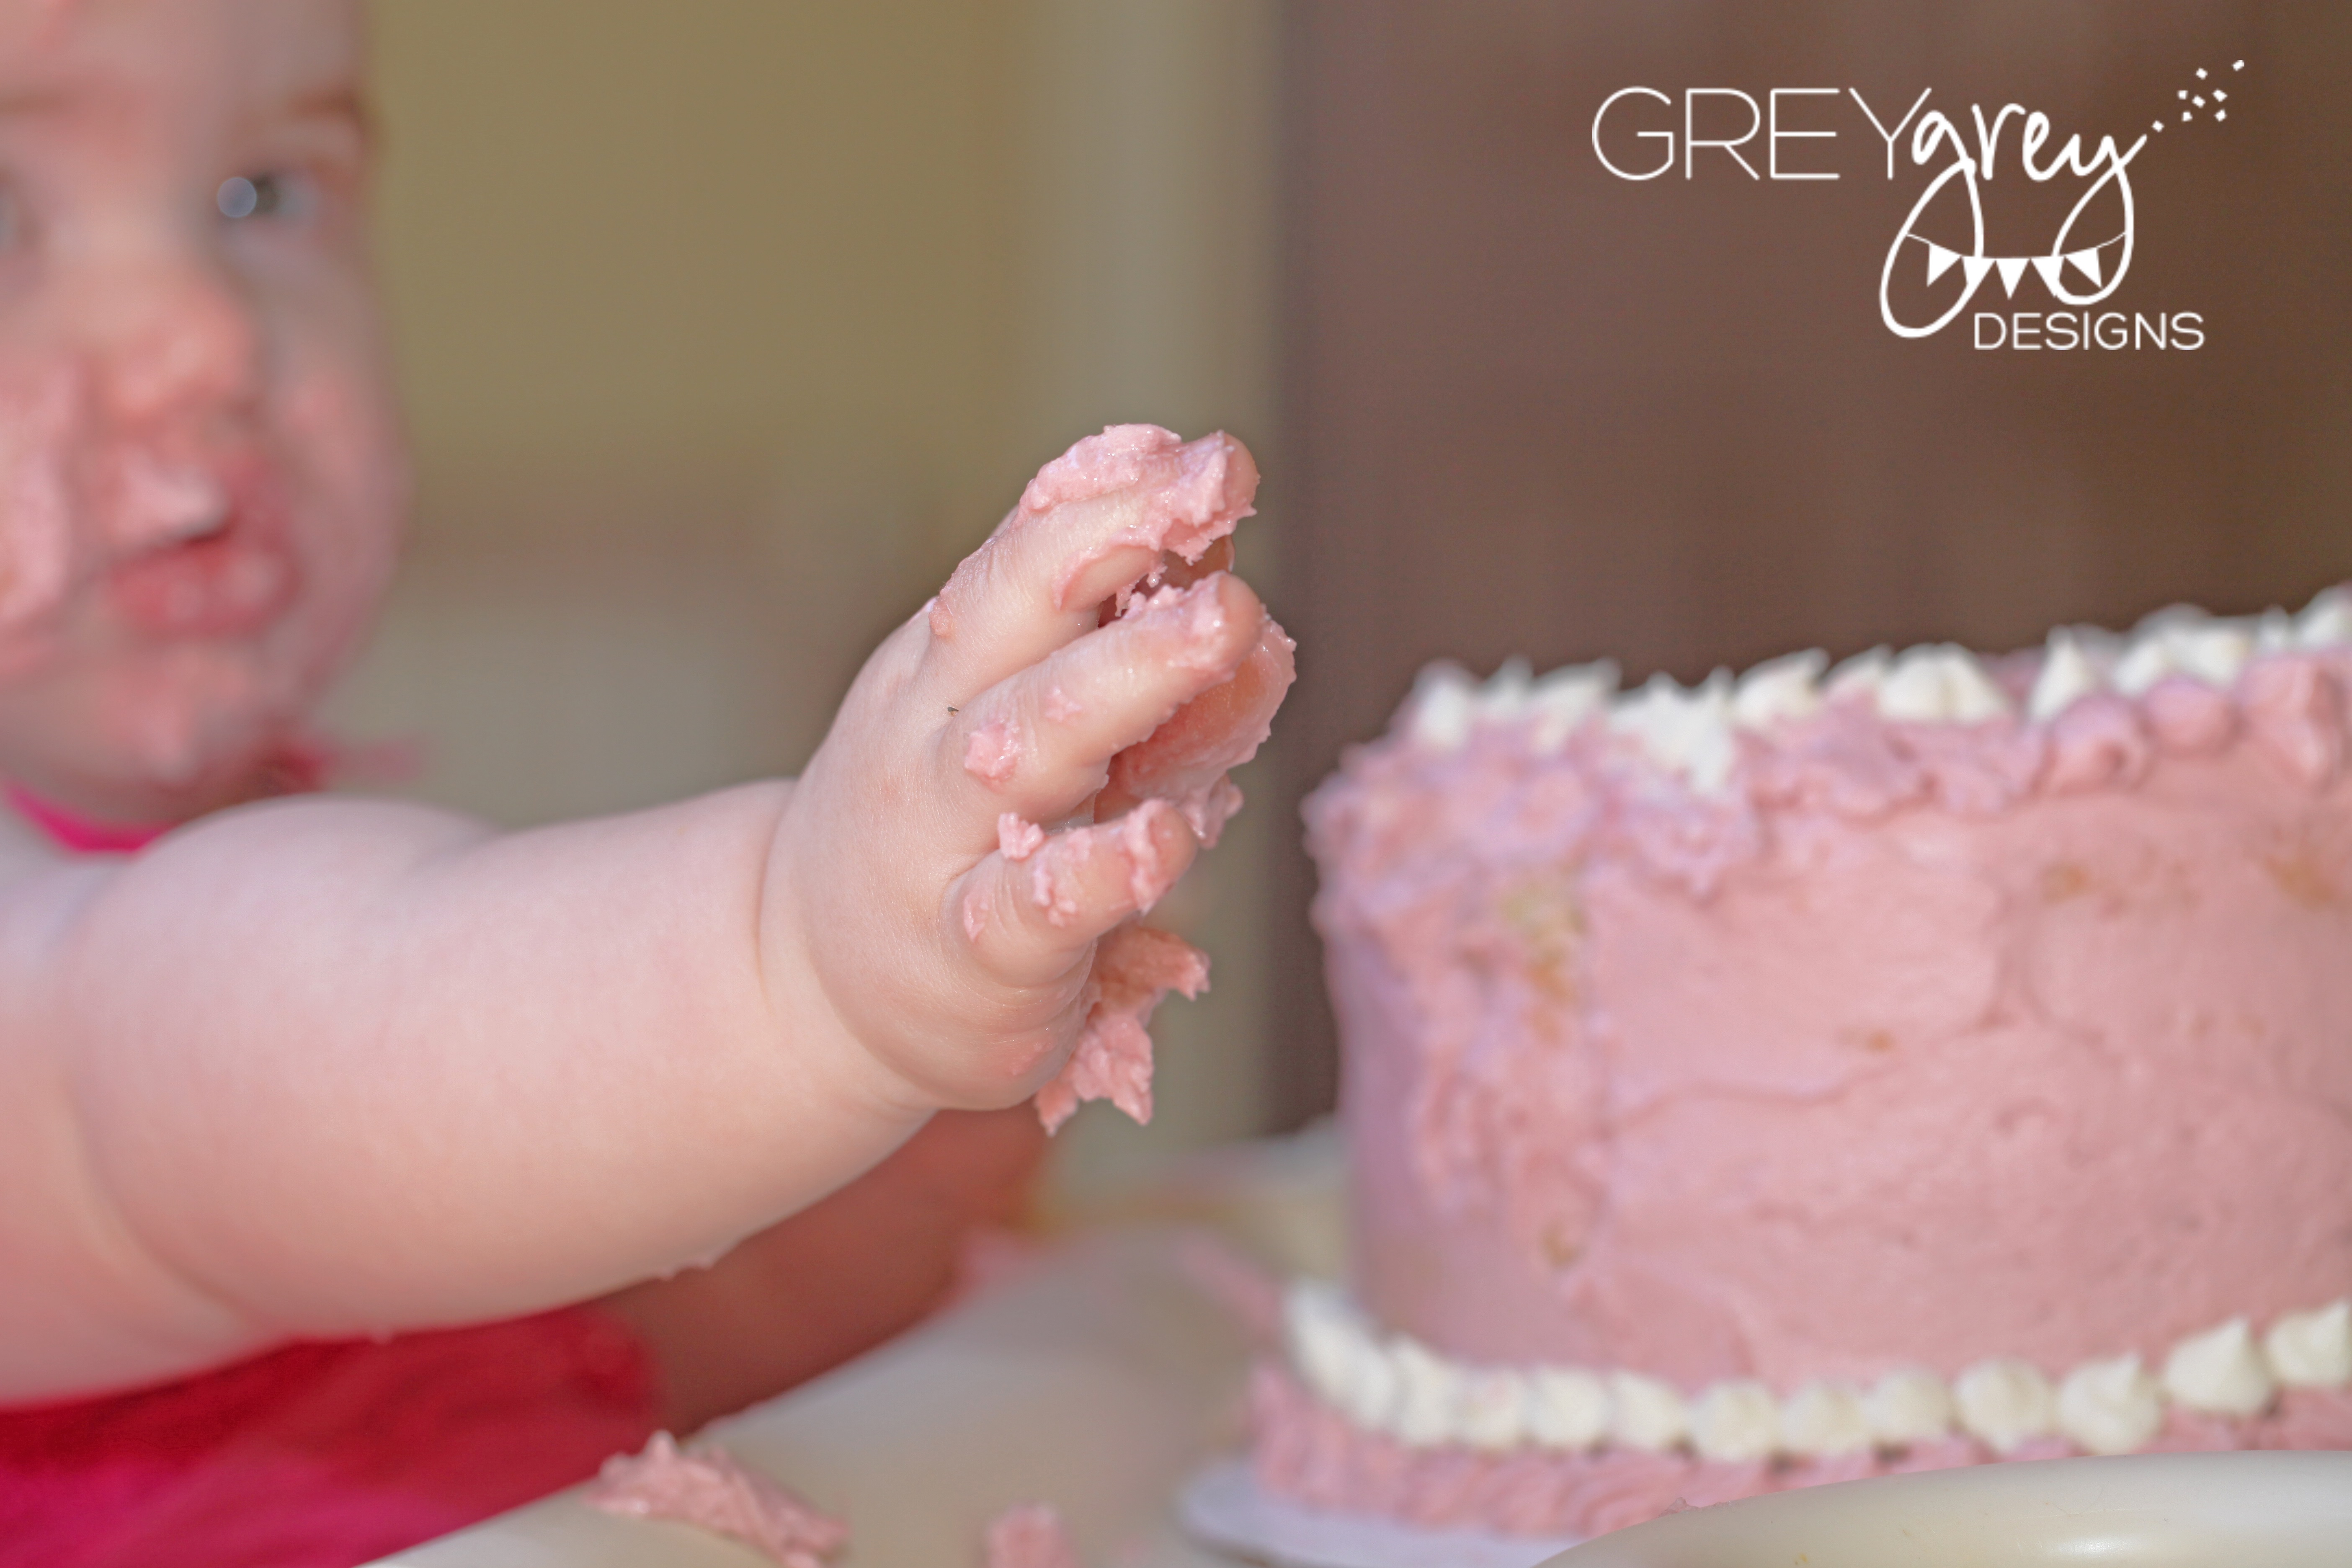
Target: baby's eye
<point>277,194</point>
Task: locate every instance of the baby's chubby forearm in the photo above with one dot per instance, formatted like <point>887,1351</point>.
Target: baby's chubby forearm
<point>319,1068</point>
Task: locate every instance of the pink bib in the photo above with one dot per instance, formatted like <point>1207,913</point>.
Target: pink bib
<point>81,835</point>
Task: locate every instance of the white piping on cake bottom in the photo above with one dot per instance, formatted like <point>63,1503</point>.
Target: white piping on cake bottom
<point>1396,1385</point>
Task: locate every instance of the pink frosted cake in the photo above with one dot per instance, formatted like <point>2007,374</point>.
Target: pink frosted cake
<point>1823,1073</point>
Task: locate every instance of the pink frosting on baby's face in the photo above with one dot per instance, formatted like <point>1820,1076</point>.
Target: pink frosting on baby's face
<point>201,475</point>
<point>1903,1084</point>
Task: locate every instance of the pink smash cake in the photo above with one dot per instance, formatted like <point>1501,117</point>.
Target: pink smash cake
<point>1830,1072</point>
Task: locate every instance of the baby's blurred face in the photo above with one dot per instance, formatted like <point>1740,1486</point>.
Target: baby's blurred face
<point>201,473</point>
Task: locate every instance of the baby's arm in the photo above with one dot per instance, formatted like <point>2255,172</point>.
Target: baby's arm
<point>330,1067</point>
<point>324,1066</point>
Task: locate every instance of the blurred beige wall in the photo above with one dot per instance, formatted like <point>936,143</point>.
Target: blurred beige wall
<point>726,327</point>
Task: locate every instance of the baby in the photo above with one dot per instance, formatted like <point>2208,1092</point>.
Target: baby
<point>322,1069</point>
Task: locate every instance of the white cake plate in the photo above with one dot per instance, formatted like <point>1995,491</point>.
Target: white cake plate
<point>2145,1511</point>
<point>1224,1508</point>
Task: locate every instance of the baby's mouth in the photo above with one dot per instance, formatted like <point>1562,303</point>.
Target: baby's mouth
<point>229,575</point>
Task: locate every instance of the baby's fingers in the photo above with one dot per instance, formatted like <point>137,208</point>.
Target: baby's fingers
<point>1031,910</point>
<point>1096,521</point>
<point>1186,759</point>
<point>1041,742</point>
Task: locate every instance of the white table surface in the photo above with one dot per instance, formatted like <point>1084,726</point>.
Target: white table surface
<point>1098,1381</point>
<point>1103,1378</point>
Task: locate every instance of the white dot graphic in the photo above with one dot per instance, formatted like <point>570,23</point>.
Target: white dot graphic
<point>2191,100</point>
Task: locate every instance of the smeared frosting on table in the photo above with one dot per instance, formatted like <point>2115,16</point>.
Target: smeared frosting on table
<point>1030,1535</point>
<point>705,1487</point>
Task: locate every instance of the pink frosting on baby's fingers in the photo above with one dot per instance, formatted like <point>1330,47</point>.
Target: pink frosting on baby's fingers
<point>991,753</point>
<point>1204,486</point>
<point>1189,495</point>
<point>1145,846</point>
<point>1017,838</point>
<point>1172,503</point>
<point>1135,966</point>
<point>1184,761</point>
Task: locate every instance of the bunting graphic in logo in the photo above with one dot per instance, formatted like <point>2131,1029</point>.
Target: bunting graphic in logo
<point>2012,268</point>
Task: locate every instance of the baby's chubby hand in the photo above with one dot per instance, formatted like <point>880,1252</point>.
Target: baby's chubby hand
<point>954,883</point>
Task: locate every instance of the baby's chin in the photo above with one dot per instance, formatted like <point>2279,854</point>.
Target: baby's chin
<point>185,730</point>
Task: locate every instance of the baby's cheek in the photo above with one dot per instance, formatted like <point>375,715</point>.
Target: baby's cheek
<point>341,439</point>
<point>340,427</point>
<point>43,429</point>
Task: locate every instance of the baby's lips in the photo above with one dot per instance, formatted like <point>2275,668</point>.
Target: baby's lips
<point>1184,761</point>
<point>229,584</point>
<point>156,503</point>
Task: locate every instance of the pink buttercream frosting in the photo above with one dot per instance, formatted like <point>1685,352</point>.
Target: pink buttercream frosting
<point>991,753</point>
<point>1135,966</point>
<point>706,1487</point>
<point>1061,863</point>
<point>1909,1045</point>
<point>1194,492</point>
<point>1017,838</point>
<point>1184,497</point>
<point>1186,760</point>
<point>1030,1535</point>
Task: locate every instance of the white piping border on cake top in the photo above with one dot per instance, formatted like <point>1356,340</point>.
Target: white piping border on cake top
<point>1399,1386</point>
<point>1690,730</point>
